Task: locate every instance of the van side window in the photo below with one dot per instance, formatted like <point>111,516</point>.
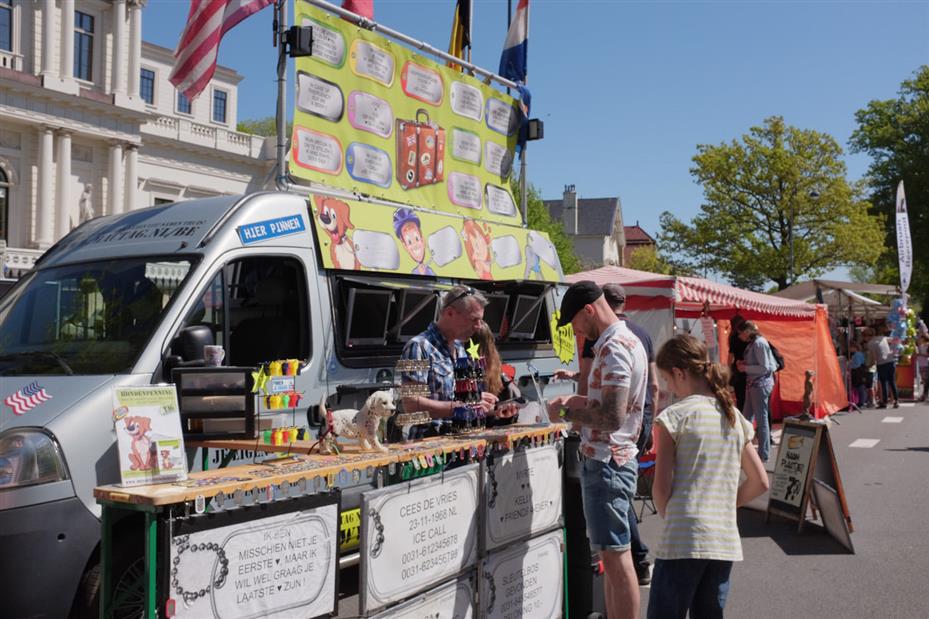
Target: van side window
<point>258,310</point>
<point>267,308</point>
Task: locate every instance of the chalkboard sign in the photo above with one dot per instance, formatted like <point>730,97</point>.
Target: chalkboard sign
<point>804,455</point>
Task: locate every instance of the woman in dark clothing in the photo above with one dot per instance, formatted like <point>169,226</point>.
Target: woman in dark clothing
<point>737,353</point>
<point>495,379</point>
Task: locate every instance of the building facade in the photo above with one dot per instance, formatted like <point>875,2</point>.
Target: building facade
<point>90,124</point>
<point>594,225</point>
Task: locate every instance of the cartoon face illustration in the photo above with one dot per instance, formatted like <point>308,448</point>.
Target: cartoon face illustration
<point>477,239</point>
<point>408,229</point>
<point>413,241</point>
<point>334,217</point>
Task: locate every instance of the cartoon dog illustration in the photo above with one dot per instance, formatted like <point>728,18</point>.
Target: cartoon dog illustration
<point>334,216</point>
<point>141,449</point>
<point>360,424</point>
<point>166,461</point>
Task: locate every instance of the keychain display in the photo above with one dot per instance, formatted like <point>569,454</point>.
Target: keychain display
<point>469,385</point>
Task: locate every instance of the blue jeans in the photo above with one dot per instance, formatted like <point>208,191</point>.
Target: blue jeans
<point>698,585</point>
<point>757,402</point>
<point>887,375</point>
<point>607,490</point>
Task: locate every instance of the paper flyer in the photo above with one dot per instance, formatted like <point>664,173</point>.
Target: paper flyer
<point>147,422</point>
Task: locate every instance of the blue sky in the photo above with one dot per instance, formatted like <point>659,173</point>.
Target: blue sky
<point>627,89</point>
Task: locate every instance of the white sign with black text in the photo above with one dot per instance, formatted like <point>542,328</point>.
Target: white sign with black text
<point>417,534</point>
<point>282,566</point>
<point>524,580</point>
<point>522,495</point>
<point>454,600</point>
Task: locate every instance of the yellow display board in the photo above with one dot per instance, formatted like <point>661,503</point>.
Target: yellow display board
<point>374,117</point>
<point>372,237</point>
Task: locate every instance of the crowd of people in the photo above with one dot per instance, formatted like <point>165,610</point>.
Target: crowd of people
<point>710,445</point>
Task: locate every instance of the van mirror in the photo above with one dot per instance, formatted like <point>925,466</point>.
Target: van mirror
<point>189,343</point>
<point>168,364</point>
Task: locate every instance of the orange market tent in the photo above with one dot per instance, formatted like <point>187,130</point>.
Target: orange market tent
<point>799,330</point>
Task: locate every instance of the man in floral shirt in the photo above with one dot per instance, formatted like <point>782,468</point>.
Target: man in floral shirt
<point>609,418</point>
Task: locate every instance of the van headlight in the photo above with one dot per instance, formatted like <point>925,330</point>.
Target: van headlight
<point>29,456</point>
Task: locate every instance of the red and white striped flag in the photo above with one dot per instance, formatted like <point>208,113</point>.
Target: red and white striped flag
<point>207,22</point>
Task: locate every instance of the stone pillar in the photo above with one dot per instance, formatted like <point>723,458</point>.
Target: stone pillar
<point>67,39</point>
<point>115,180</point>
<point>135,47</point>
<point>119,52</point>
<point>132,177</point>
<point>63,193</point>
<point>49,19</point>
<point>45,216</point>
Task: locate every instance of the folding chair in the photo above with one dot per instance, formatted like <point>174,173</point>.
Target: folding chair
<point>643,491</point>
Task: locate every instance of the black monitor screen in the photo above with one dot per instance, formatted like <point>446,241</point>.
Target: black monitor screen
<point>421,319</point>
<point>525,328</point>
<point>368,311</point>
<point>495,311</point>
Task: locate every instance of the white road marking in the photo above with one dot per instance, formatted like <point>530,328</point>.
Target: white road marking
<point>892,420</point>
<point>865,442</point>
<point>906,404</point>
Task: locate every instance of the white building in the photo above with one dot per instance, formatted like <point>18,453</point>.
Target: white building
<point>90,124</point>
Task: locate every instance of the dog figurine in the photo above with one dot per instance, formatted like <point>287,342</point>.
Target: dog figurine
<point>141,449</point>
<point>358,424</point>
<point>335,218</point>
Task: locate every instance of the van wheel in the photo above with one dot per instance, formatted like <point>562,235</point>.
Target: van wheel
<point>128,584</point>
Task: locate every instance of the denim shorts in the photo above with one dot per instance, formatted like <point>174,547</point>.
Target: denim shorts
<point>608,490</point>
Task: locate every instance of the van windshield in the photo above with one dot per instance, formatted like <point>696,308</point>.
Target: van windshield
<point>90,318</point>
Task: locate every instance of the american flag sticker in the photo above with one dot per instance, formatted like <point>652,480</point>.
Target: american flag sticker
<point>27,398</point>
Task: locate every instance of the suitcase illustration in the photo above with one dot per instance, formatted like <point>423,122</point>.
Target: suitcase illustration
<point>420,152</point>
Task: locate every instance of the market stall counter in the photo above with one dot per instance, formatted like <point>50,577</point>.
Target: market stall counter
<point>262,539</point>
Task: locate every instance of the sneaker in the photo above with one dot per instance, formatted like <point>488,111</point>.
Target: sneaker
<point>896,405</point>
<point>643,572</point>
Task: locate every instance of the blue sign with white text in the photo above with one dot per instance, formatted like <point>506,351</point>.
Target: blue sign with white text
<point>271,228</point>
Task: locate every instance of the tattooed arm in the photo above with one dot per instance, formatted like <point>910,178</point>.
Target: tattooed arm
<point>606,416</point>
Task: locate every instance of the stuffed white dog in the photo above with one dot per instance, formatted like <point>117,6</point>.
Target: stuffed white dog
<point>360,424</point>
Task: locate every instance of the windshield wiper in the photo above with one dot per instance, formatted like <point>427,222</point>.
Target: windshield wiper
<point>41,353</point>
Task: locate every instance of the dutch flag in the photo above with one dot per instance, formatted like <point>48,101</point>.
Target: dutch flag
<point>516,46</point>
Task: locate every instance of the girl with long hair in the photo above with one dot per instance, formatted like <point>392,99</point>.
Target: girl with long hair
<point>495,379</point>
<point>702,444</point>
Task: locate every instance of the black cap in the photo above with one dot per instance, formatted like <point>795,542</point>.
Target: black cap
<point>575,298</point>
<point>615,294</point>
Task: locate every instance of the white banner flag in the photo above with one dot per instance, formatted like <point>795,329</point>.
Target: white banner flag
<point>904,245</point>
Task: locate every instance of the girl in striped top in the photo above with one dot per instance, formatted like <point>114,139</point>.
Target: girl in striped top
<point>702,445</point>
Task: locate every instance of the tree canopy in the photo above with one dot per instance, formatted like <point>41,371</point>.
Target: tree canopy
<point>777,192</point>
<point>895,133</point>
<point>265,127</point>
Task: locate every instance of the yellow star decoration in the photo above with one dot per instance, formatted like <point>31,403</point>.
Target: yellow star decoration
<point>473,350</point>
<point>562,339</point>
<point>260,379</point>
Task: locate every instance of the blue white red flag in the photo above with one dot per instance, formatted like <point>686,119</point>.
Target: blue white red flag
<point>513,60</point>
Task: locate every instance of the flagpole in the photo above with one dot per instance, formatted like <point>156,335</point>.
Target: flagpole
<point>281,115</point>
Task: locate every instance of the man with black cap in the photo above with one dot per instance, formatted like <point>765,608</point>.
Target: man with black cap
<point>609,418</point>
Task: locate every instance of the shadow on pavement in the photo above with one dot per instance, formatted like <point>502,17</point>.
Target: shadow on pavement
<point>813,540</point>
<point>923,449</point>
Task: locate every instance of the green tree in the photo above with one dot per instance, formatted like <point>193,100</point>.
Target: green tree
<point>895,133</point>
<point>265,127</point>
<point>647,258</point>
<point>775,199</point>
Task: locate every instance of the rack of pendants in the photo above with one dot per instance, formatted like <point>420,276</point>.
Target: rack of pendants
<point>470,383</point>
<point>275,386</point>
<point>412,389</point>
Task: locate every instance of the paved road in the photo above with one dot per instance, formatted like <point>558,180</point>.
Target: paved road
<point>796,576</point>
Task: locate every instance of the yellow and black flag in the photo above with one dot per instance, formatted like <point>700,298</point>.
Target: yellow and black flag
<point>461,33</point>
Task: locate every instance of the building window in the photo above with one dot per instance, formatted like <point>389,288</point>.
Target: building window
<point>183,103</point>
<point>83,46</point>
<point>4,207</point>
<point>147,86</point>
<point>219,106</point>
<point>6,25</point>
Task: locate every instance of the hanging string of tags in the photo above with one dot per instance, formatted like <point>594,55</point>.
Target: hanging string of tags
<point>276,382</point>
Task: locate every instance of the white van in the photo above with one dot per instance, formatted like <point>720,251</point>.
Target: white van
<point>123,298</point>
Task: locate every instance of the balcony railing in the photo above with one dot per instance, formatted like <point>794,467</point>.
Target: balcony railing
<point>184,130</point>
<point>16,261</point>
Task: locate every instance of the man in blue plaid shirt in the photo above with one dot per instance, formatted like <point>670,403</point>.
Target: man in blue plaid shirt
<point>440,344</point>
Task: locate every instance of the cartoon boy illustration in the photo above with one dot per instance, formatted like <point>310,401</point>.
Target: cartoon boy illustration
<point>409,231</point>
<point>477,239</point>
